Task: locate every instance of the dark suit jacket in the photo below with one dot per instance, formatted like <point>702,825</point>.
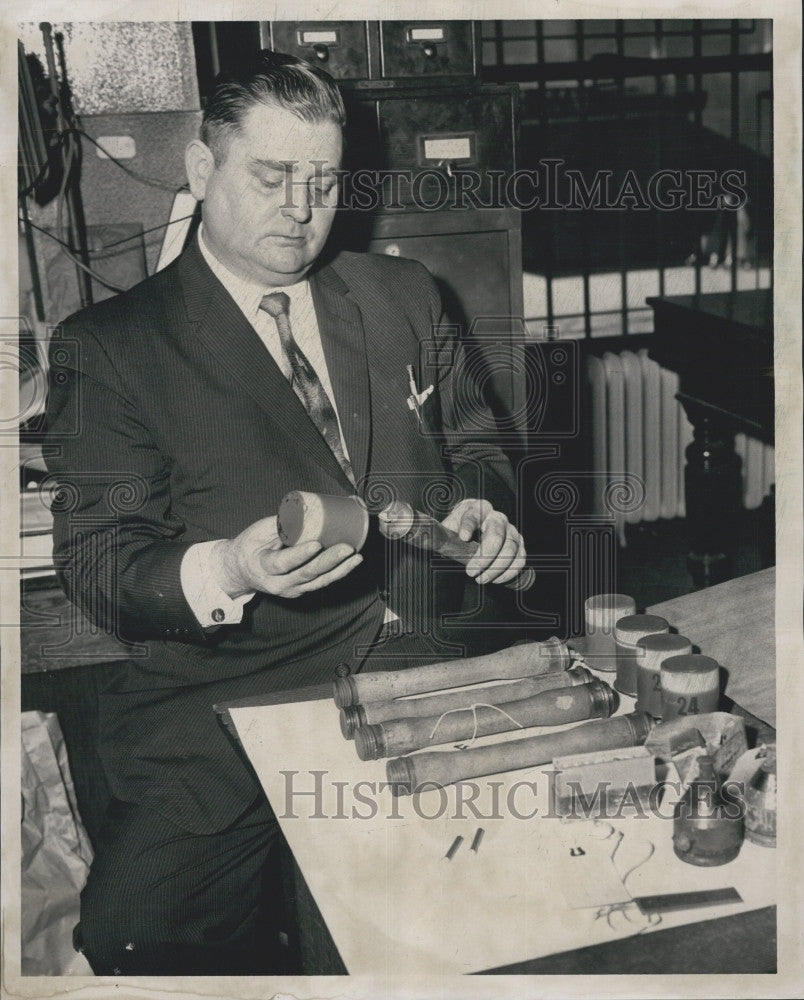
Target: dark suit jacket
<point>170,424</point>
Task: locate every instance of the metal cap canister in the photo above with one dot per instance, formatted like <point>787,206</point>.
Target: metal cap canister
<point>652,651</point>
<point>706,830</point>
<point>690,685</point>
<point>627,632</point>
<point>601,613</point>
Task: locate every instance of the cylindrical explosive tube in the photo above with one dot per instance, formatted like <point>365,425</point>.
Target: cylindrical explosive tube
<point>523,660</point>
<point>594,700</point>
<point>444,767</point>
<point>352,717</point>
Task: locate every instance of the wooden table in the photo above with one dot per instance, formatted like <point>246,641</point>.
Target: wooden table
<point>734,623</point>
<point>721,345</point>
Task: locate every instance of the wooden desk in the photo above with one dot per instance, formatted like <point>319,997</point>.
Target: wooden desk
<point>721,345</point>
<point>734,623</point>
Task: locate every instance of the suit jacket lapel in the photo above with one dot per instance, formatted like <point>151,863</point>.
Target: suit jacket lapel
<point>344,342</point>
<point>235,346</point>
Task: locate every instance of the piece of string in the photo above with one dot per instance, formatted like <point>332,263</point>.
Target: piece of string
<point>629,908</point>
<point>473,709</point>
<point>626,910</point>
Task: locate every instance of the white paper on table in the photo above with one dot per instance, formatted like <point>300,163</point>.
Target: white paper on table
<point>390,898</point>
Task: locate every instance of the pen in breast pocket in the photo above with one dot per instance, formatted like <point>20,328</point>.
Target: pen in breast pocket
<point>419,397</point>
<point>413,398</point>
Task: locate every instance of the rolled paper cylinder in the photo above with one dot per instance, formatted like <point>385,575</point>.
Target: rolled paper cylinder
<point>601,613</point>
<point>595,700</point>
<point>319,517</point>
<point>652,651</point>
<point>690,685</point>
<point>627,632</point>
<point>352,717</point>
<point>444,767</point>
<point>523,660</point>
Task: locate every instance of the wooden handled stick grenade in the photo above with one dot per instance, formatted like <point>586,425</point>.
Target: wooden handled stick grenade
<point>594,700</point>
<point>522,660</point>
<point>352,717</point>
<point>318,517</point>
<point>444,767</point>
<point>400,521</point>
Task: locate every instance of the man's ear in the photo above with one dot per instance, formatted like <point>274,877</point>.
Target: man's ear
<point>199,163</point>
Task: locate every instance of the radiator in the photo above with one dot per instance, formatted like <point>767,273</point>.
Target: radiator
<point>639,428</point>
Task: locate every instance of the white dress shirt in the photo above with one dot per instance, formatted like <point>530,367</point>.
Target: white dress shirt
<point>209,602</point>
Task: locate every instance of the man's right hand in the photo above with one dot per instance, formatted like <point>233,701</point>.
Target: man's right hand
<point>257,561</point>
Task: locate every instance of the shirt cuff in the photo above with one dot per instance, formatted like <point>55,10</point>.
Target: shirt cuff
<point>210,604</point>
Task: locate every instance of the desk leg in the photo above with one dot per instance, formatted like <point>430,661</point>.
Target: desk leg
<point>713,491</point>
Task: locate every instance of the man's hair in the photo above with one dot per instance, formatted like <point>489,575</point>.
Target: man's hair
<point>269,78</point>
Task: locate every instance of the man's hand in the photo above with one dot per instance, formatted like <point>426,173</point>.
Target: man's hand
<point>256,561</point>
<point>501,552</point>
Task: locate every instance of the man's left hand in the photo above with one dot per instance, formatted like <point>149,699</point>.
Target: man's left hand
<point>501,552</point>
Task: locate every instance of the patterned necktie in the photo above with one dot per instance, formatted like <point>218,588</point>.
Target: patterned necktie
<point>305,381</point>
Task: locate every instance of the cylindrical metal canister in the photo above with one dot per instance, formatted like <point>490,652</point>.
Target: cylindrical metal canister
<point>601,613</point>
<point>627,632</point>
<point>652,651</point>
<point>690,685</point>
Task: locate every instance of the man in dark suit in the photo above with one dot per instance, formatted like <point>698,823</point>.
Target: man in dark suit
<point>180,414</point>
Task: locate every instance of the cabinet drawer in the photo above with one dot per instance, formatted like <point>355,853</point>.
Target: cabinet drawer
<point>414,49</point>
<point>443,135</point>
<point>339,47</point>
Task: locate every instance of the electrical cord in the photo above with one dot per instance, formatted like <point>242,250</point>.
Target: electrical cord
<point>149,181</point>
<point>100,252</point>
<point>68,150</point>
<point>67,135</point>
<point>107,246</point>
<point>68,156</point>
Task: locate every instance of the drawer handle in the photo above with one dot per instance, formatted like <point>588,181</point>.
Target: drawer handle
<point>430,51</point>
<point>321,52</point>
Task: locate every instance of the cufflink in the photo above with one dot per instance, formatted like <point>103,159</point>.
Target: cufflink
<point>218,615</point>
<point>343,670</point>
